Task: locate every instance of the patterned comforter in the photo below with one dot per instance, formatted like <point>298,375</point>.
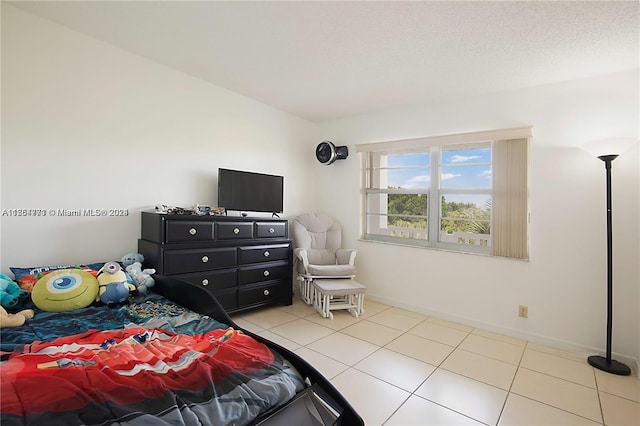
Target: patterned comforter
<point>180,369</point>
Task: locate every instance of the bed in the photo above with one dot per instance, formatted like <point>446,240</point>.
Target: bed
<point>171,356</point>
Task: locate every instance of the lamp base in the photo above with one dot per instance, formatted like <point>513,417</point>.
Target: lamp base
<point>613,366</point>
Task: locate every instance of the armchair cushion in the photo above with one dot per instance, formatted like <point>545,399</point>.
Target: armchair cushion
<point>318,238</point>
<point>321,257</point>
<point>332,270</point>
<point>320,234</point>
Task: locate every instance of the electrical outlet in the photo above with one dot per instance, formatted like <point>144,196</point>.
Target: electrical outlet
<point>523,311</point>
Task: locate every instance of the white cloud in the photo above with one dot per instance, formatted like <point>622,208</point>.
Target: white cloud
<point>447,176</point>
<point>486,174</point>
<point>463,158</point>
<point>420,181</point>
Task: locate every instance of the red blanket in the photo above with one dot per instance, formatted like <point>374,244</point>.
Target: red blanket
<point>138,367</point>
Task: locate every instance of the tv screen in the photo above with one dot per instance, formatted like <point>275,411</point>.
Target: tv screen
<point>251,192</point>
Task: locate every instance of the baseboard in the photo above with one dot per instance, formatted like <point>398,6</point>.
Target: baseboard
<point>632,362</point>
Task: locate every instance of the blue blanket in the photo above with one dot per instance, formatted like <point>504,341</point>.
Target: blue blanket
<point>47,326</point>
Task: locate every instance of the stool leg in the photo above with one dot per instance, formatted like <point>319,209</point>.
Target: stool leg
<point>316,301</point>
<point>316,297</point>
<point>319,302</point>
<point>352,310</point>
<point>327,308</point>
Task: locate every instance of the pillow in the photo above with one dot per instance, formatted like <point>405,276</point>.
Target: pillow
<point>27,277</point>
<point>65,290</point>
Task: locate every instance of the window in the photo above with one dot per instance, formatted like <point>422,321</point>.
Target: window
<point>463,192</point>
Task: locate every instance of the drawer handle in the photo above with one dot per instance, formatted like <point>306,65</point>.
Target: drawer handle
<point>236,231</point>
<point>205,259</point>
<point>193,231</point>
<point>266,292</point>
<point>271,230</point>
<point>266,253</point>
<point>266,273</point>
<point>205,282</point>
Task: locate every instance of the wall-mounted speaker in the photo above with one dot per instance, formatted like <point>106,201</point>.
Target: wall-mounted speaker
<point>327,153</point>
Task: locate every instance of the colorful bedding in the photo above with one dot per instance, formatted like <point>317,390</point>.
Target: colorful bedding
<point>47,326</point>
<point>162,365</point>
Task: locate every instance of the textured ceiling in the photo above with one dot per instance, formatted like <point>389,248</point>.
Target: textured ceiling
<point>325,60</point>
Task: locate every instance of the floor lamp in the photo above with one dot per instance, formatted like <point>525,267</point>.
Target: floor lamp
<point>605,363</point>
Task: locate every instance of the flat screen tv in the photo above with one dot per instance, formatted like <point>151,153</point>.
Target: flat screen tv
<point>250,192</point>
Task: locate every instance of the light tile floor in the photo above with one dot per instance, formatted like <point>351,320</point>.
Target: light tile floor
<point>398,367</point>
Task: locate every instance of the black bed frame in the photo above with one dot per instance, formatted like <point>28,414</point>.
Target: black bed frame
<point>201,301</point>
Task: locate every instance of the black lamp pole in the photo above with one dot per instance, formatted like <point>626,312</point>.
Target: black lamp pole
<point>606,363</point>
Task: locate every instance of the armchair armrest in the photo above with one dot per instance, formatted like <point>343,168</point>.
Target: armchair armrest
<point>301,254</point>
<point>346,256</point>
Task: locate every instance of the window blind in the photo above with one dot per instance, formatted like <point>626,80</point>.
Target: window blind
<point>510,198</point>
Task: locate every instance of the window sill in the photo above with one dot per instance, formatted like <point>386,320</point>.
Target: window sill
<point>446,250</point>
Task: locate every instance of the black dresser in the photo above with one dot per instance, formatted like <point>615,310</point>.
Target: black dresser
<point>245,262</point>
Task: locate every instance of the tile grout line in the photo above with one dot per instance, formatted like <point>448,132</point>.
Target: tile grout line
<point>413,393</point>
<point>379,347</point>
<point>548,375</point>
<point>595,378</point>
<point>519,365</point>
<point>504,405</point>
<point>439,366</point>
<point>333,331</point>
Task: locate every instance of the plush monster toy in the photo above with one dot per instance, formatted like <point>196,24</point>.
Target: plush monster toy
<point>130,258</point>
<point>11,294</point>
<point>65,290</point>
<point>113,285</point>
<point>141,277</point>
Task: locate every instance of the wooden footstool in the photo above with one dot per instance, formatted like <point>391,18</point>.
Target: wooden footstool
<point>331,294</point>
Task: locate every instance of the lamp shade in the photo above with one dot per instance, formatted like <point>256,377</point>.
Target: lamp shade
<point>602,147</point>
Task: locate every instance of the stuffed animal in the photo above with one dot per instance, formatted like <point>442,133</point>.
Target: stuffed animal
<point>11,294</point>
<point>113,285</point>
<point>14,320</point>
<point>141,277</point>
<point>130,258</point>
<point>65,290</point>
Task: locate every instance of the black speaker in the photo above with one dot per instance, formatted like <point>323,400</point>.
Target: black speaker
<point>327,153</point>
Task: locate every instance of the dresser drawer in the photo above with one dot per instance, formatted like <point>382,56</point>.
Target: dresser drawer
<point>228,299</point>
<point>244,262</point>
<point>271,253</point>
<point>181,231</point>
<point>212,280</point>
<point>263,272</point>
<point>198,260</point>
<point>261,294</point>
<point>234,230</point>
<point>271,230</point>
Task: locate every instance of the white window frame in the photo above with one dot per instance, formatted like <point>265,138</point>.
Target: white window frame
<point>433,145</point>
<point>438,192</point>
<point>377,164</point>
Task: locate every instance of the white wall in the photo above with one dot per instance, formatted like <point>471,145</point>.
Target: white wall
<point>86,125</point>
<point>564,282</point>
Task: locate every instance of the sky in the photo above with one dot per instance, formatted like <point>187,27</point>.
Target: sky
<point>465,168</point>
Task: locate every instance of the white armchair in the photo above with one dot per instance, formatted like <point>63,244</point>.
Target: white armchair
<point>317,239</point>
